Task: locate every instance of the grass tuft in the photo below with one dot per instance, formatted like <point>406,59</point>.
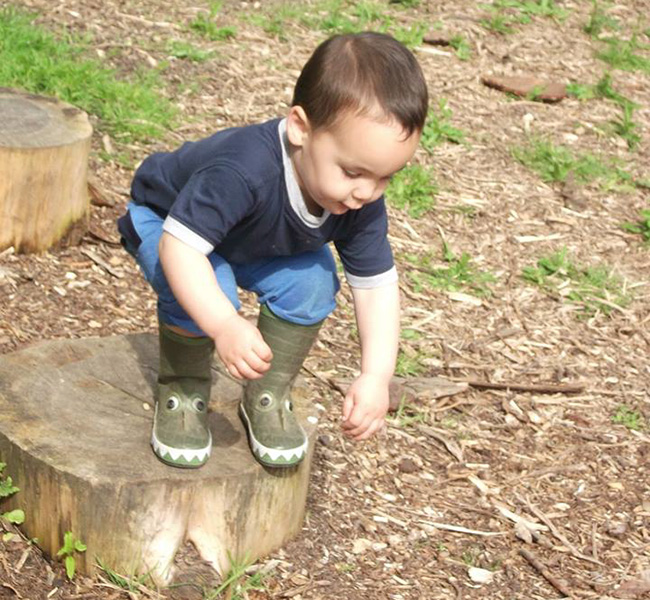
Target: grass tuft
<point>594,288</point>
<point>205,24</point>
<point>438,128</point>
<point>599,21</point>
<point>456,274</point>
<point>622,54</point>
<point>413,189</point>
<point>554,163</point>
<point>640,227</point>
<point>630,418</point>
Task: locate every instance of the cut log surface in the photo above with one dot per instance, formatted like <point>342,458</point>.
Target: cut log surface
<point>75,424</point>
<point>44,147</point>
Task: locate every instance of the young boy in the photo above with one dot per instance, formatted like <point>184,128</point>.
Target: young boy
<point>255,207</point>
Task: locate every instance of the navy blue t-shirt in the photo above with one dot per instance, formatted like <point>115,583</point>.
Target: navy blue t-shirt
<point>236,193</point>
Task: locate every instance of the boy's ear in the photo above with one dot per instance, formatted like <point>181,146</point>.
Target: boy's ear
<point>298,127</point>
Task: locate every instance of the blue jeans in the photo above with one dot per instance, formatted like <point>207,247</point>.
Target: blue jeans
<point>300,289</point>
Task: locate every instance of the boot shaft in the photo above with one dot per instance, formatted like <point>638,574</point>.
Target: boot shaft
<point>183,357</point>
<point>290,344</point>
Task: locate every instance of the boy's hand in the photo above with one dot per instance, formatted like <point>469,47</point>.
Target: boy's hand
<point>365,407</point>
<point>242,348</point>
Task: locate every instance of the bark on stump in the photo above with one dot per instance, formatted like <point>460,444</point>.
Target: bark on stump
<point>74,432</point>
<point>44,147</point>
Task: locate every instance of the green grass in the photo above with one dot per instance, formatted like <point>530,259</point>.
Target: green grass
<point>407,414</point>
<point>34,60</point>
<point>599,21</point>
<point>186,51</point>
<point>630,418</point>
<point>640,227</point>
<point>554,163</point>
<point>237,583</point>
<point>338,17</point>
<point>594,288</point>
<point>274,22</point>
<point>623,54</point>
<point>461,46</point>
<point>438,128</point>
<point>456,274</point>
<point>624,126</point>
<point>132,583</point>
<point>7,488</point>
<point>206,25</point>
<point>413,189</point>
<point>506,14</point>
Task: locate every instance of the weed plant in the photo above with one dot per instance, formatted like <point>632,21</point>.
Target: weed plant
<point>413,189</point>
<point>624,126</point>
<point>630,418</point>
<point>7,488</point>
<point>206,25</point>
<point>599,21</point>
<point>506,14</point>
<point>236,583</point>
<point>461,46</point>
<point>554,163</point>
<point>134,583</point>
<point>594,288</point>
<point>438,128</point>
<point>640,227</point>
<point>186,51</point>
<point>457,274</point>
<point>34,60</point>
<point>408,415</point>
<point>71,546</point>
<point>622,54</point>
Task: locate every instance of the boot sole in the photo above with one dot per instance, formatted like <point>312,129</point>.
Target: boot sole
<point>184,458</point>
<point>271,457</point>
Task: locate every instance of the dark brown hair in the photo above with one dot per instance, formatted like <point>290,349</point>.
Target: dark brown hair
<point>356,72</point>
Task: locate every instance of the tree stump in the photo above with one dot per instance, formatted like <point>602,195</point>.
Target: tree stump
<point>74,433</point>
<point>44,147</point>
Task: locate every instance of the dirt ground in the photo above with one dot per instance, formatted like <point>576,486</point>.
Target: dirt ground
<point>491,493</point>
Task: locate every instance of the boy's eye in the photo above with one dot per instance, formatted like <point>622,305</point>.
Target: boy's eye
<point>351,174</point>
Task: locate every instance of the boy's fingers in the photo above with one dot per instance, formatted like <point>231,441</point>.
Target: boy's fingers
<point>374,427</point>
<point>246,370</point>
<point>354,431</point>
<point>256,363</point>
<point>261,348</point>
<point>348,404</point>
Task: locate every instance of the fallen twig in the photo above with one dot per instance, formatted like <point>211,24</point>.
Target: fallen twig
<point>98,260</point>
<point>452,447</point>
<point>526,387</point>
<point>559,584</point>
<point>556,532</point>
<point>459,529</point>
<point>327,381</point>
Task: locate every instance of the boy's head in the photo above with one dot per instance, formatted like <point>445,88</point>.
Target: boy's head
<point>358,110</point>
<point>366,73</point>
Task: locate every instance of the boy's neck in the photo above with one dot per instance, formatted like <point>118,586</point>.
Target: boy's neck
<point>313,208</point>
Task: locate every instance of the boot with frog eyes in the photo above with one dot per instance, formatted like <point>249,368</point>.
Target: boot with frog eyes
<point>274,435</point>
<point>181,436</point>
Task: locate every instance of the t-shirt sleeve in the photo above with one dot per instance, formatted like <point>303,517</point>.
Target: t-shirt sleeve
<point>365,251</point>
<point>208,206</point>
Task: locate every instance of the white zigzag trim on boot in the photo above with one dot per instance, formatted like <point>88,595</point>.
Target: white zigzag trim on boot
<point>188,454</point>
<point>273,454</point>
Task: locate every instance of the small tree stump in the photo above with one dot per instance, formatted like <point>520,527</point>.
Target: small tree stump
<point>44,147</point>
<point>75,429</point>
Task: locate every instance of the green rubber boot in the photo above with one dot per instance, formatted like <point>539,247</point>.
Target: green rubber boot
<point>274,435</point>
<point>181,436</point>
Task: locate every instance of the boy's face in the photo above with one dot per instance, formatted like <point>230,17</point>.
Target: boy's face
<point>348,165</point>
